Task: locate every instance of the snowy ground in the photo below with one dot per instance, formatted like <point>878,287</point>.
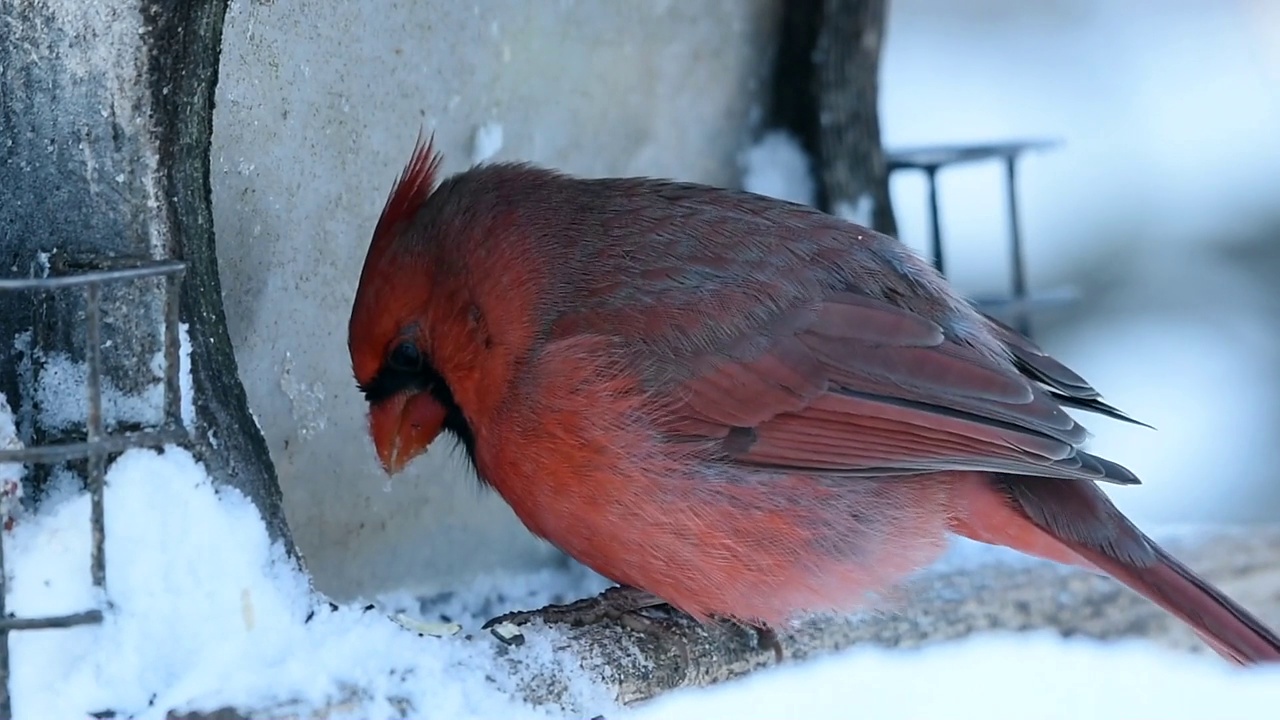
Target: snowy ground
<point>204,612</point>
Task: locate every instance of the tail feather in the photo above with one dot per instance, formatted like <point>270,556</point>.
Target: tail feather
<point>1073,522</point>
<point>1220,621</point>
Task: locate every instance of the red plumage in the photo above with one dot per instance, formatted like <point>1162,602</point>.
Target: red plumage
<point>743,406</point>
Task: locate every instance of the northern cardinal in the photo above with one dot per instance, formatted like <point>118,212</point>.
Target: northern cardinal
<point>743,407</point>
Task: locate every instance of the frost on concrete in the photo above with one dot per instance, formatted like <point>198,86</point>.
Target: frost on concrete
<point>105,49</point>
<point>10,473</point>
<point>306,399</point>
<point>62,393</point>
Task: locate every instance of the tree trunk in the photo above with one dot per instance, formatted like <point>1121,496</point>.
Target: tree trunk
<point>847,55</point>
<point>825,92</point>
<point>106,119</point>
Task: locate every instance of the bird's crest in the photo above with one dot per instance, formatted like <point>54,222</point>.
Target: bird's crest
<point>371,326</point>
<point>415,185</point>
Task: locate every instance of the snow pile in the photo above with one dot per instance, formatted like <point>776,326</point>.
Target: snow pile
<point>206,612</point>
<point>1015,676</point>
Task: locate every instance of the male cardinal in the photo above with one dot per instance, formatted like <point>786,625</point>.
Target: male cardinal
<point>740,407</point>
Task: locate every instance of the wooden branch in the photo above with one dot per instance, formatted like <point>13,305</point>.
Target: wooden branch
<point>940,605</point>
<point>963,598</point>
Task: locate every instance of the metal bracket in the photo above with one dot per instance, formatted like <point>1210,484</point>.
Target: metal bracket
<point>1019,305</point>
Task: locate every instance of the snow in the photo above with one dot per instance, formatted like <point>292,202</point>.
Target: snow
<point>778,166</point>
<point>306,399</point>
<point>486,143</point>
<point>205,612</point>
<point>861,212</point>
<point>11,489</point>
<point>1029,675</point>
<point>62,393</point>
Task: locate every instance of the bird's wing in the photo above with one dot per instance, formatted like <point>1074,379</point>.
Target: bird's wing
<point>1061,381</point>
<point>857,386</point>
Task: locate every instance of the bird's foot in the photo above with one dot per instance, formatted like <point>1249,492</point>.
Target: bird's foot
<point>767,639</point>
<point>630,607</point>
<point>615,604</point>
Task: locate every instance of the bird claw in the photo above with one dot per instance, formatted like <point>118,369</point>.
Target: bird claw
<point>612,604</point>
<point>623,605</point>
<point>767,639</point>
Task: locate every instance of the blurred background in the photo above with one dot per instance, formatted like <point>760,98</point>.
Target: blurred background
<point>1162,208</point>
<point>1159,209</point>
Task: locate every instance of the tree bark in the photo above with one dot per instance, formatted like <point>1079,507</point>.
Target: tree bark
<point>826,93</point>
<point>938,606</point>
<point>852,164</point>
<point>106,120</point>
<point>793,101</point>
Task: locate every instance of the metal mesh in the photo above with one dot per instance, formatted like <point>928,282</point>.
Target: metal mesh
<point>1020,304</point>
<point>97,444</point>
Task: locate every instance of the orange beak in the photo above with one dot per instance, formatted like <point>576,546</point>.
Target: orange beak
<point>403,427</point>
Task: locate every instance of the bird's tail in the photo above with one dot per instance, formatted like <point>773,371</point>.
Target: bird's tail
<point>1073,522</point>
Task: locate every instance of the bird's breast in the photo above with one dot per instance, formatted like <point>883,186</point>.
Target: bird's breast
<point>577,455</point>
<point>719,541</point>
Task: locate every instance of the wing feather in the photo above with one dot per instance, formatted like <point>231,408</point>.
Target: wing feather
<point>863,388</point>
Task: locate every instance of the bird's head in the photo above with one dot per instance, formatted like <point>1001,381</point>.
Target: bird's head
<point>451,301</point>
<point>390,335</point>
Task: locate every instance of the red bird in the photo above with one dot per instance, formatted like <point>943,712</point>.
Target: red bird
<point>742,407</point>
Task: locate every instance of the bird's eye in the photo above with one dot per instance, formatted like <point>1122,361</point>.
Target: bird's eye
<point>406,356</point>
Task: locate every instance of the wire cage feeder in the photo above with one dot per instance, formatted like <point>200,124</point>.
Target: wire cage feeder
<point>1020,305</point>
<point>98,444</point>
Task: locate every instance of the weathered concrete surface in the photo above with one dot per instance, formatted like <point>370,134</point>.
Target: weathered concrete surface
<point>318,106</point>
<point>104,150</point>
